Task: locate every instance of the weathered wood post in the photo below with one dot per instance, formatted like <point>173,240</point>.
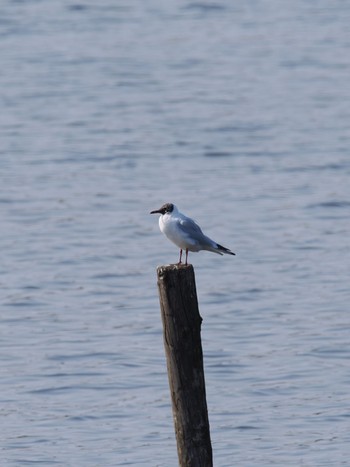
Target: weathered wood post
<point>183,348</point>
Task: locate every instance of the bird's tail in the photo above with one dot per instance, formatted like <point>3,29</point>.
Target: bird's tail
<point>222,249</point>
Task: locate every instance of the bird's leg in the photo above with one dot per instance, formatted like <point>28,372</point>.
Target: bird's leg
<point>180,256</point>
<point>186,256</point>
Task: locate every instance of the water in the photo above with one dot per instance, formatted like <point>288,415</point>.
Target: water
<point>239,114</point>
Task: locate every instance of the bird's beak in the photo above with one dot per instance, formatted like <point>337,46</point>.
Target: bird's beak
<point>157,211</point>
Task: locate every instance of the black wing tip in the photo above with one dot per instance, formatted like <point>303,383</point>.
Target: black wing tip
<point>225,250</point>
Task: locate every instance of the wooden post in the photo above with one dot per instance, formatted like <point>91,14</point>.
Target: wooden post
<point>183,348</point>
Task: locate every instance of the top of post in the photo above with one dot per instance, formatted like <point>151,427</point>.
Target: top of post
<point>173,267</point>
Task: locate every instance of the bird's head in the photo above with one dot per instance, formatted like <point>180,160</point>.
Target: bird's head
<point>166,208</point>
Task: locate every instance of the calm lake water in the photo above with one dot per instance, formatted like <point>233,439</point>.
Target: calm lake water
<point>239,114</point>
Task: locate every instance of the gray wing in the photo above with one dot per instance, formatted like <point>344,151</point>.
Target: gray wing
<point>189,227</point>
<point>194,233</point>
<point>196,237</point>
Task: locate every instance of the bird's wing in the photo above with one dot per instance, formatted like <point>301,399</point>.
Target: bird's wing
<point>195,236</point>
<point>189,226</point>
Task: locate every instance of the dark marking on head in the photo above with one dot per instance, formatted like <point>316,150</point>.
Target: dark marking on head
<point>166,208</point>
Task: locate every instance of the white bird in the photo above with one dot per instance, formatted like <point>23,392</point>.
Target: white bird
<point>185,233</point>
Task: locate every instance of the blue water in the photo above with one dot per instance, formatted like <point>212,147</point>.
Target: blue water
<point>238,113</point>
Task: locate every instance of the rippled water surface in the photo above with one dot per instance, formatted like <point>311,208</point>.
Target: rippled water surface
<point>238,113</point>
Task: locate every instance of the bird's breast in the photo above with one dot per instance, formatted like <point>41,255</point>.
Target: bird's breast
<point>169,226</point>
<point>166,224</point>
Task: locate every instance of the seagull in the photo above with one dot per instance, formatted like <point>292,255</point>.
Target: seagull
<point>185,233</point>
